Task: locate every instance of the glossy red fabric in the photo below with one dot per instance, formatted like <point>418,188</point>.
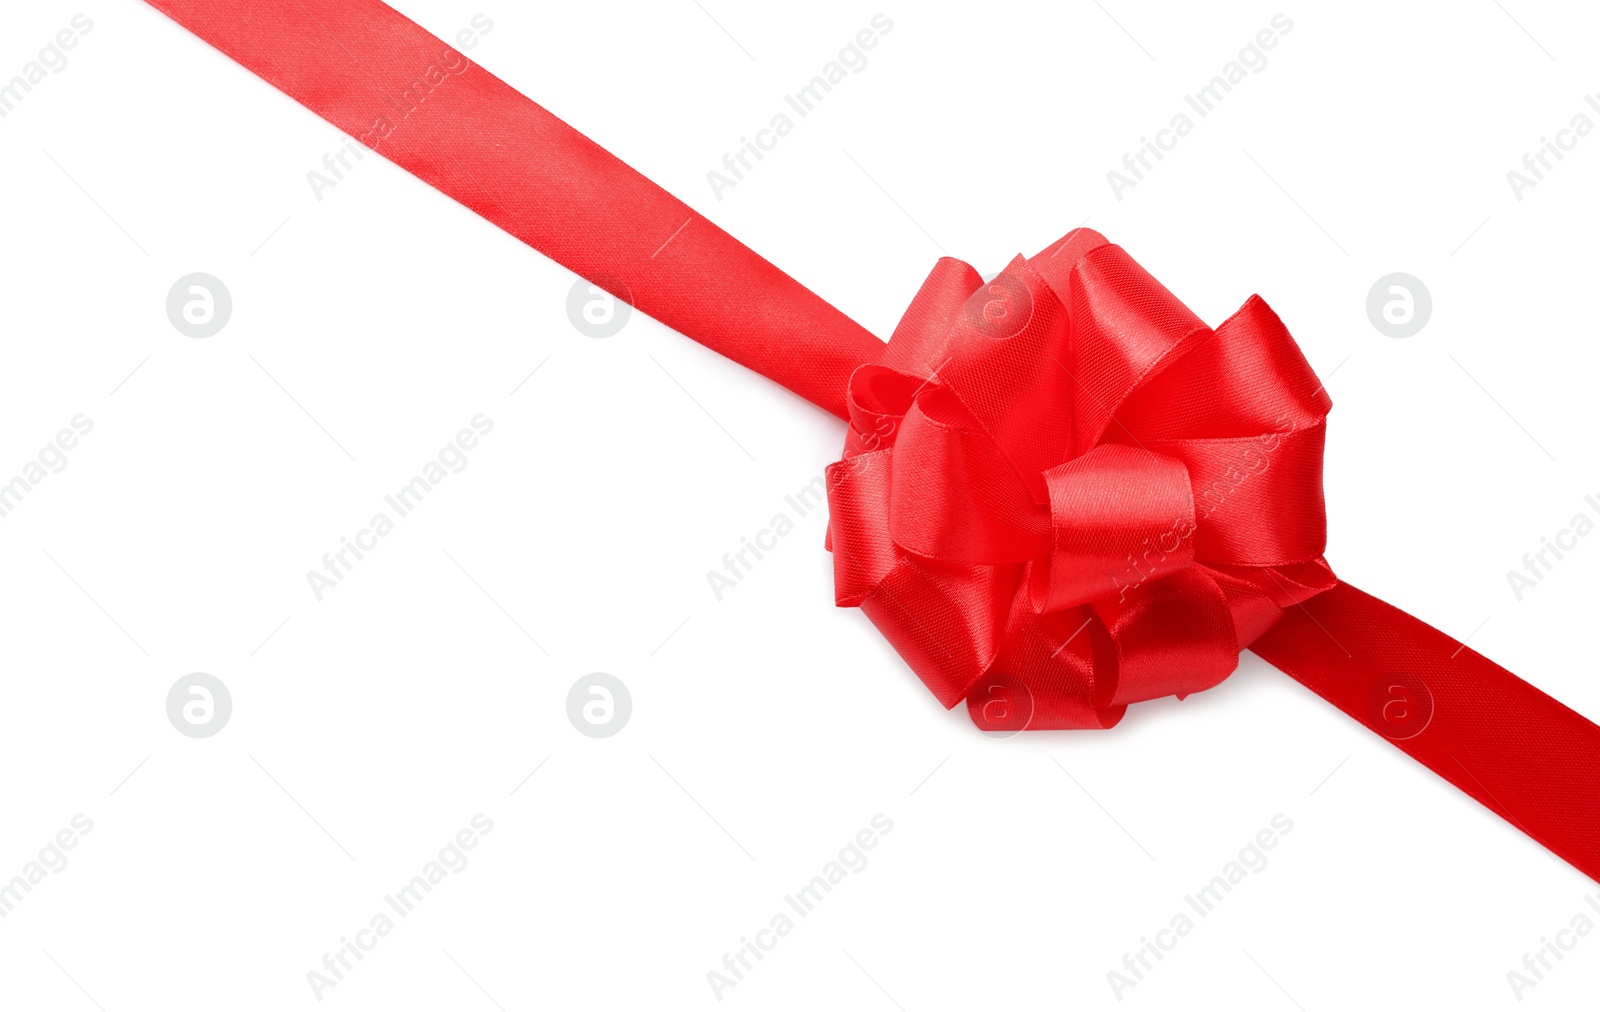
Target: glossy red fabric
<point>1522,754</point>
<point>1072,482</point>
<point>1060,493</point>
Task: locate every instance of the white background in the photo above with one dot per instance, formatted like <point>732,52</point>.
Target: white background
<point>769,727</point>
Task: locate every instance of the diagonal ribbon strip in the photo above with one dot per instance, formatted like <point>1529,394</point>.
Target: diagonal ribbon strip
<point>384,80</point>
<point>1252,576</point>
<point>1523,755</point>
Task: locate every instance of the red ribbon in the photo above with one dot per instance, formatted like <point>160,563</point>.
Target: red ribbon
<point>1061,492</point>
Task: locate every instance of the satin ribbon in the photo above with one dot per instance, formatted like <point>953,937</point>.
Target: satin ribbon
<point>1060,493</point>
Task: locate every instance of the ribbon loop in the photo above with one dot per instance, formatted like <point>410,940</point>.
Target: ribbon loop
<point>1120,516</point>
<point>954,497</point>
<point>1173,636</point>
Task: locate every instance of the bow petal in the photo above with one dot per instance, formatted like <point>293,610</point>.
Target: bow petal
<point>1121,516</point>
<point>946,621</point>
<point>917,345</point>
<point>1173,636</point>
<point>1257,499</point>
<point>954,496</point>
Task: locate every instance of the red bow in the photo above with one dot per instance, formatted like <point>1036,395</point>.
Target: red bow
<point>1062,493</point>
